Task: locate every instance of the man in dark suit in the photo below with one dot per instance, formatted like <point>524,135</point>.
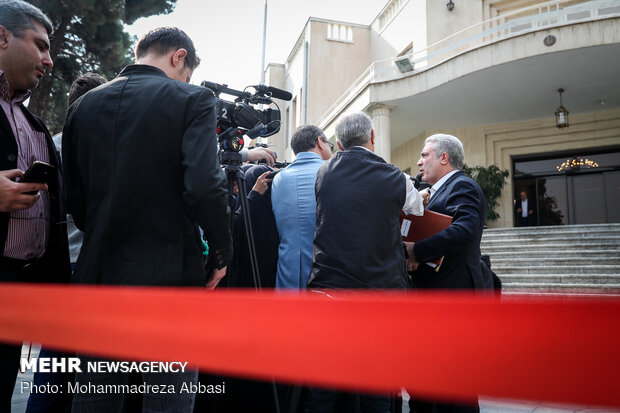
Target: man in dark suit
<point>525,208</point>
<point>33,239</point>
<point>454,194</point>
<point>142,173</point>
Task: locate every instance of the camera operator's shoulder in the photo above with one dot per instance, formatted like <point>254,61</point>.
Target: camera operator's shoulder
<point>193,90</point>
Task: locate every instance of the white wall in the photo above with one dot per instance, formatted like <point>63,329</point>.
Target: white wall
<point>406,26</point>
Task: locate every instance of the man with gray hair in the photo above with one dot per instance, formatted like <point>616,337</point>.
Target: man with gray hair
<point>33,237</point>
<point>454,194</point>
<point>459,196</point>
<point>357,242</point>
<point>294,206</point>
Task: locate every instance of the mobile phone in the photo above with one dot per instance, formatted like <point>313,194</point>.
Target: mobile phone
<point>272,174</point>
<point>39,172</point>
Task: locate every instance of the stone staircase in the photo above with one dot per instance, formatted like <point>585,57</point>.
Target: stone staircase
<point>571,259</point>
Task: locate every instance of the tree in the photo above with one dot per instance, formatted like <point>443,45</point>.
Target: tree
<point>88,36</point>
<point>491,181</point>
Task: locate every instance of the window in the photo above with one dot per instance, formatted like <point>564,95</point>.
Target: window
<point>300,119</point>
<point>287,134</point>
<point>390,12</point>
<point>340,32</point>
<point>294,117</point>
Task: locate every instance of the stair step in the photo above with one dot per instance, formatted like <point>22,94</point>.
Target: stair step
<point>516,242</point>
<point>552,232</point>
<point>605,289</point>
<point>556,228</point>
<point>526,260</point>
<point>538,253</point>
<point>551,247</point>
<point>556,269</point>
<point>560,279</point>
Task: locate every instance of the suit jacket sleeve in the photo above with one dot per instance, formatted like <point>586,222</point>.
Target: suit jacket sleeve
<point>464,205</point>
<point>76,202</point>
<point>205,192</point>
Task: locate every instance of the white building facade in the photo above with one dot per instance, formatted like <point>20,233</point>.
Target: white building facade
<point>488,72</point>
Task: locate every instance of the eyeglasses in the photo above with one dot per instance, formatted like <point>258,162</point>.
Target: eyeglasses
<point>331,145</point>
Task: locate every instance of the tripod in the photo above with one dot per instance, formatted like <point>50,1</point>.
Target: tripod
<point>231,161</point>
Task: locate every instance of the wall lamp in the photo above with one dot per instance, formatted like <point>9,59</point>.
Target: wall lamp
<point>450,5</point>
<point>404,65</point>
<point>561,114</point>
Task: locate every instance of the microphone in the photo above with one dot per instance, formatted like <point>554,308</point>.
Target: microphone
<point>274,91</point>
<point>421,184</point>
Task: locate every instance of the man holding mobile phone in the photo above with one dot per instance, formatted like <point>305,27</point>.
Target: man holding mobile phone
<point>33,242</point>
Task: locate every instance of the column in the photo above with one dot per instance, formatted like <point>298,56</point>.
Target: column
<point>380,115</point>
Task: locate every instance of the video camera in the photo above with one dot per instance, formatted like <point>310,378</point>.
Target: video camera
<point>238,118</point>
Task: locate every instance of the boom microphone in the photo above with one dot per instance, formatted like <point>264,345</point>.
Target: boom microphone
<point>274,92</point>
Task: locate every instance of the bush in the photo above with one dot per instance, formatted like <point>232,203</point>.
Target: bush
<point>491,179</point>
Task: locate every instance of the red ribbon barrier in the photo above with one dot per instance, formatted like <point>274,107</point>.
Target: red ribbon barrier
<point>436,345</point>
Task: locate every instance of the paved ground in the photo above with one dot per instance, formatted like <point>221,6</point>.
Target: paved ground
<point>20,399</point>
<point>486,405</point>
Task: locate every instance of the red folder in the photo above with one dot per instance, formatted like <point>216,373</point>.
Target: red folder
<point>415,228</point>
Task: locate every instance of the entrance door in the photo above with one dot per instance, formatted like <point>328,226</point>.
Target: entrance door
<point>552,200</point>
<point>578,189</point>
<point>612,193</point>
<point>587,195</point>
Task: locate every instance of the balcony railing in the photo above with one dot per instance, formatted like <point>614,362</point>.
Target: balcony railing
<point>526,20</point>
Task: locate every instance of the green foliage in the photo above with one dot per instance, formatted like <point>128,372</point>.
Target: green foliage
<point>491,179</point>
<point>88,36</point>
<point>134,9</point>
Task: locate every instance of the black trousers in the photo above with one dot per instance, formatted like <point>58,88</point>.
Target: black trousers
<point>325,401</point>
<point>12,270</point>
<point>427,406</point>
<point>9,366</point>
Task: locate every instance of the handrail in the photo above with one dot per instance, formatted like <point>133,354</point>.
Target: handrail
<point>549,14</point>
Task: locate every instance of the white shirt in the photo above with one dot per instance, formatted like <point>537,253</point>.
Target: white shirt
<point>414,203</point>
<point>524,209</point>
<point>442,181</point>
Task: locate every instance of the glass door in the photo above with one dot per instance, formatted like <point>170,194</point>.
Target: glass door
<point>587,195</point>
<point>571,189</point>
<point>552,200</point>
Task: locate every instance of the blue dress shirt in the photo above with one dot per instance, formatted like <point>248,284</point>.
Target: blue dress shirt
<point>294,206</point>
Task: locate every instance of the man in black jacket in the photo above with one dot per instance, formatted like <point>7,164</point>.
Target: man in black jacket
<point>359,197</point>
<point>33,239</point>
<point>142,173</point>
<point>357,243</point>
